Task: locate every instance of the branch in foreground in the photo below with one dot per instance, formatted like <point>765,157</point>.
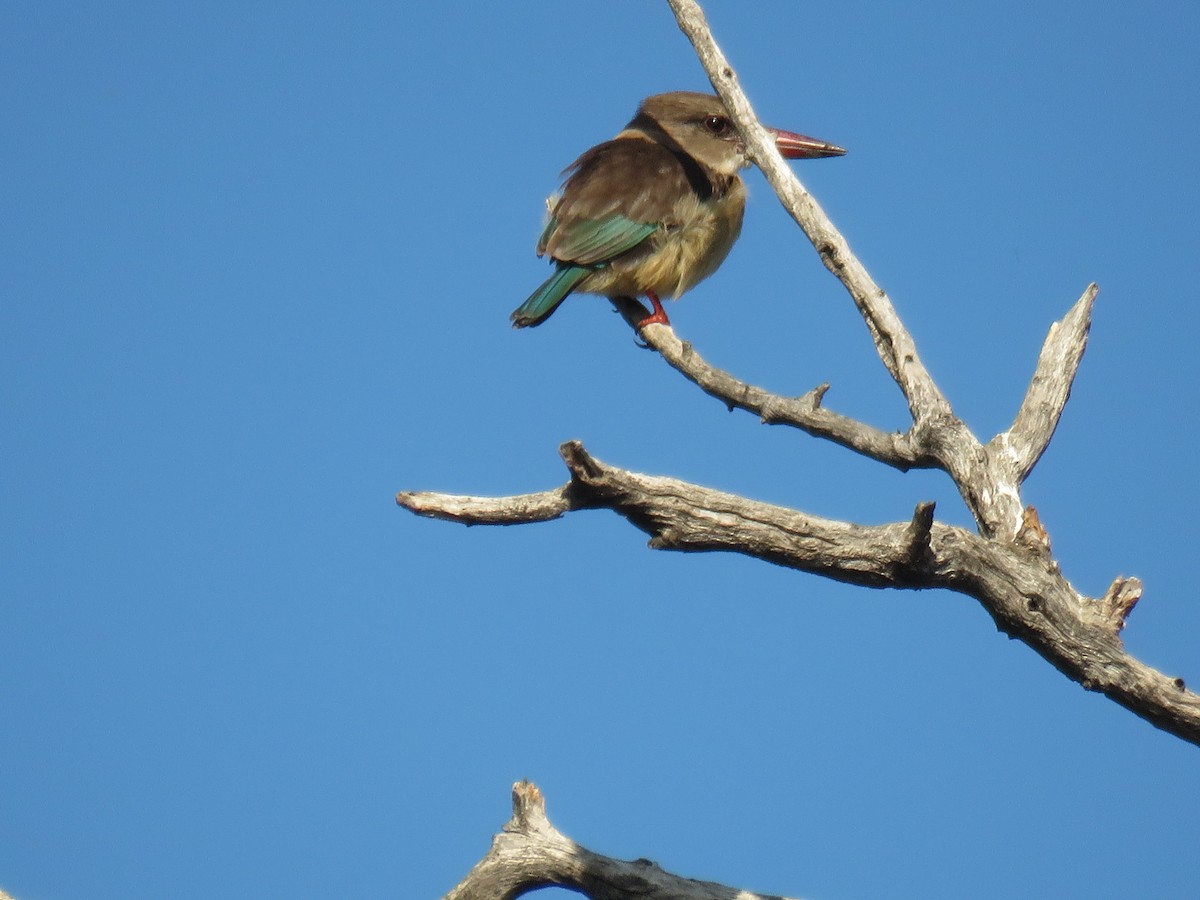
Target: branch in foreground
<point>1018,583</point>
<point>529,853</point>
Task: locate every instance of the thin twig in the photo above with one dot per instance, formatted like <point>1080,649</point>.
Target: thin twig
<point>805,412</point>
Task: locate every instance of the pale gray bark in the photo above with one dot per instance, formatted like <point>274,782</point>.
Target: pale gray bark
<point>1008,565</point>
<point>529,853</point>
<point>988,478</point>
<point>1017,581</point>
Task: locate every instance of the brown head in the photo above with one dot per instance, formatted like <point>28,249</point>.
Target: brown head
<point>699,125</point>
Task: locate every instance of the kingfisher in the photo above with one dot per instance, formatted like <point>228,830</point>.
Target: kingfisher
<point>654,211</point>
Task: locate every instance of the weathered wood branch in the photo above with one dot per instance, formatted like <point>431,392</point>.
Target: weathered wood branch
<point>1076,634</point>
<point>1049,389</point>
<point>895,345</point>
<point>1017,582</point>
<point>805,412</point>
<point>519,510</point>
<point>529,853</point>
<point>1008,566</point>
<point>987,478</point>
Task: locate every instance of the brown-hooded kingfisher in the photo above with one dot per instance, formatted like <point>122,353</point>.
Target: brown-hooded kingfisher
<point>654,211</point>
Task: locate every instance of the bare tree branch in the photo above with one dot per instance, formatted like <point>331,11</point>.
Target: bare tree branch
<point>1008,567</point>
<point>520,510</point>
<point>1018,583</point>
<point>1050,387</point>
<point>895,345</point>
<point>986,481</point>
<point>805,412</point>
<point>529,853</point>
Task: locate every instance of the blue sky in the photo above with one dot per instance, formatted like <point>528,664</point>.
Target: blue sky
<point>256,264</point>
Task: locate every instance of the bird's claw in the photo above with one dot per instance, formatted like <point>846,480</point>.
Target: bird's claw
<point>658,317</point>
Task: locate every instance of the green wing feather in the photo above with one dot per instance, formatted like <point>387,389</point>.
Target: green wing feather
<point>618,194</point>
<point>545,300</point>
<point>591,242</point>
<point>582,246</point>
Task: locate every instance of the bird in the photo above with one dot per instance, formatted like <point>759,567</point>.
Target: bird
<point>655,210</point>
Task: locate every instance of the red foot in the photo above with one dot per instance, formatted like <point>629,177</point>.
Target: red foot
<point>658,317</point>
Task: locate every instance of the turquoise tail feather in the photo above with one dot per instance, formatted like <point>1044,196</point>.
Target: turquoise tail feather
<point>545,299</point>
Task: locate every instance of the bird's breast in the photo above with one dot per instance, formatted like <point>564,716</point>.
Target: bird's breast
<point>691,244</point>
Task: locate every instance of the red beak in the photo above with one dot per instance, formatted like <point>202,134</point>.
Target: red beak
<point>797,146</point>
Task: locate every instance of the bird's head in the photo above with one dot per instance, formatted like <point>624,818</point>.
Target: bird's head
<point>699,125</point>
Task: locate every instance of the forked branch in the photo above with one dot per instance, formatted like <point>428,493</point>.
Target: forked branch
<point>529,853</point>
<point>988,481</point>
<point>1007,566</point>
<point>1050,388</point>
<point>895,345</point>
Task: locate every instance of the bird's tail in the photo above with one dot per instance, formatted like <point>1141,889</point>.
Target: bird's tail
<point>545,299</point>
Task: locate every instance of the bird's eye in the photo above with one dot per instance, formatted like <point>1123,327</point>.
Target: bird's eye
<point>716,124</point>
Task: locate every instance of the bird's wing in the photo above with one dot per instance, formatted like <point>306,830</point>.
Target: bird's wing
<point>593,242</point>
<point>616,196</point>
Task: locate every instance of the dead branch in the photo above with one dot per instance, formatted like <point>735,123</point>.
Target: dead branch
<point>1049,389</point>
<point>1007,566</point>
<point>529,853</point>
<point>1017,582</point>
<point>805,412</point>
<point>893,342</point>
